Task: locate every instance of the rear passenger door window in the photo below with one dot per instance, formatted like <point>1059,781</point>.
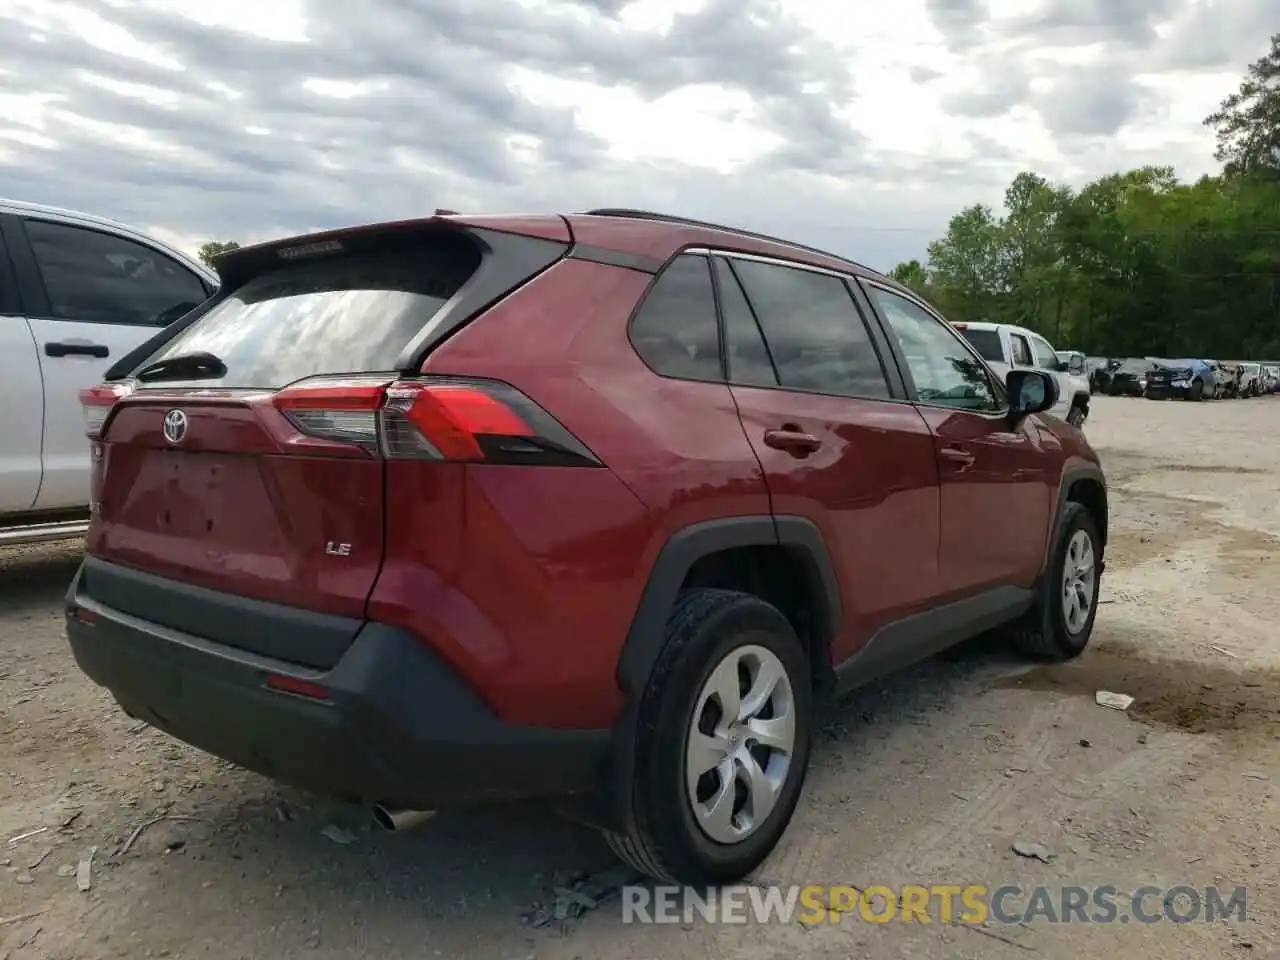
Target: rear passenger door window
<point>675,331</point>
<point>817,338</point>
<point>96,277</point>
<point>747,354</point>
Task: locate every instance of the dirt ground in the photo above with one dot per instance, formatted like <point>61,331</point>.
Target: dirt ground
<point>929,779</point>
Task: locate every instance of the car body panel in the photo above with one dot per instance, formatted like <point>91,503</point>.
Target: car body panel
<point>990,505</point>
<point>883,532</point>
<point>69,354</point>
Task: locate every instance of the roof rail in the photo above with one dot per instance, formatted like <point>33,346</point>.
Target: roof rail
<point>706,225</point>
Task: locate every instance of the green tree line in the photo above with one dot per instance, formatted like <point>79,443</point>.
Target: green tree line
<point>1134,263</point>
<point>216,248</point>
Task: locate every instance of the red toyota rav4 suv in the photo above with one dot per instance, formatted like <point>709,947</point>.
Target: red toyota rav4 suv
<point>594,507</point>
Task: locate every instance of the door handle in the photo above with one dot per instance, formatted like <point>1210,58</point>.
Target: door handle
<point>59,349</point>
<point>792,440</point>
<point>961,457</point>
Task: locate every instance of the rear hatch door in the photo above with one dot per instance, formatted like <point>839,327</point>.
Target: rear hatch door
<point>209,475</point>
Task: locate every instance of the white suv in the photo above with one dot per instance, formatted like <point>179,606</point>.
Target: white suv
<point>77,293</point>
<point>1006,347</point>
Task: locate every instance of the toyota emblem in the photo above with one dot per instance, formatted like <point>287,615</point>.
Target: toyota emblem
<point>175,426</point>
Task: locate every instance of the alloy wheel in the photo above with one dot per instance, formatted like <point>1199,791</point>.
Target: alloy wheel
<point>740,745</point>
<point>1079,581</point>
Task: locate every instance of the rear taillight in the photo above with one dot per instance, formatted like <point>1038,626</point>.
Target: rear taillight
<point>97,401</point>
<point>344,411</point>
<point>433,418</point>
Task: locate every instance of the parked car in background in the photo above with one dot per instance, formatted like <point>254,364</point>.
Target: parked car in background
<point>1076,362</point>
<point>1129,379</point>
<point>1006,347</point>
<point>1270,378</point>
<point>1232,370</point>
<point>478,541</point>
<point>77,293</point>
<point>1222,379</point>
<point>1100,373</point>
<point>1185,379</point>
<point>1250,379</point>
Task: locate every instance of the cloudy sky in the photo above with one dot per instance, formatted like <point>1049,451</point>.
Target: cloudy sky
<point>857,125</point>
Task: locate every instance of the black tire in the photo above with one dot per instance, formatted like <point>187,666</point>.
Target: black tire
<point>1197,390</point>
<point>1043,633</point>
<point>664,840</point>
<point>1076,416</point>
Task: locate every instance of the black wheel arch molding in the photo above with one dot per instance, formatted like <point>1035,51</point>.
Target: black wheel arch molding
<point>1095,492</point>
<point>687,546</point>
<point>611,806</point>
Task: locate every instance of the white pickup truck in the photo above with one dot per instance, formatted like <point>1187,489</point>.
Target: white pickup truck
<point>77,293</point>
<point>1005,347</point>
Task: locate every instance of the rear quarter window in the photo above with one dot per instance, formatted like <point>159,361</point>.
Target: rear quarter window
<point>675,330</point>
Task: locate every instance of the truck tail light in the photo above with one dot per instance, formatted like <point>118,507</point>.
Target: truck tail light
<point>97,403</point>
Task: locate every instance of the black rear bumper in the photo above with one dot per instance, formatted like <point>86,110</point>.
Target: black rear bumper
<point>398,727</point>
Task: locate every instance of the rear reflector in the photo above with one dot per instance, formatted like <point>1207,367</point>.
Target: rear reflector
<point>83,614</point>
<point>97,401</point>
<point>299,688</point>
<point>432,418</point>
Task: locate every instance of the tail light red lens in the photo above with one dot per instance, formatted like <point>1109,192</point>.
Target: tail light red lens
<point>296,686</point>
<point>96,403</point>
<point>453,419</point>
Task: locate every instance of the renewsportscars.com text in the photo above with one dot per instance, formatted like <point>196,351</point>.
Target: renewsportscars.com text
<point>938,903</point>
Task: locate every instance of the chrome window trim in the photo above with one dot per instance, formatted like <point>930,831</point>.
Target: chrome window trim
<point>774,261</point>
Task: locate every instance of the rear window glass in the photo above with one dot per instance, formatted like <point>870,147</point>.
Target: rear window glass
<point>986,342</point>
<point>1135,366</point>
<point>335,316</point>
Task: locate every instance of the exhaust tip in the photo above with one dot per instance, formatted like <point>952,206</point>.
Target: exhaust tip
<point>395,820</point>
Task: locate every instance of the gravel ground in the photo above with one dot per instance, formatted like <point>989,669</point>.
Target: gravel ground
<point>929,779</point>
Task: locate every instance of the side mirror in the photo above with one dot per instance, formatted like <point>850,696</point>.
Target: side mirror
<point>1030,391</point>
<point>1061,366</point>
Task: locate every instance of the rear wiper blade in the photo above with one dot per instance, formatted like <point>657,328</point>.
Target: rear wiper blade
<point>184,366</point>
